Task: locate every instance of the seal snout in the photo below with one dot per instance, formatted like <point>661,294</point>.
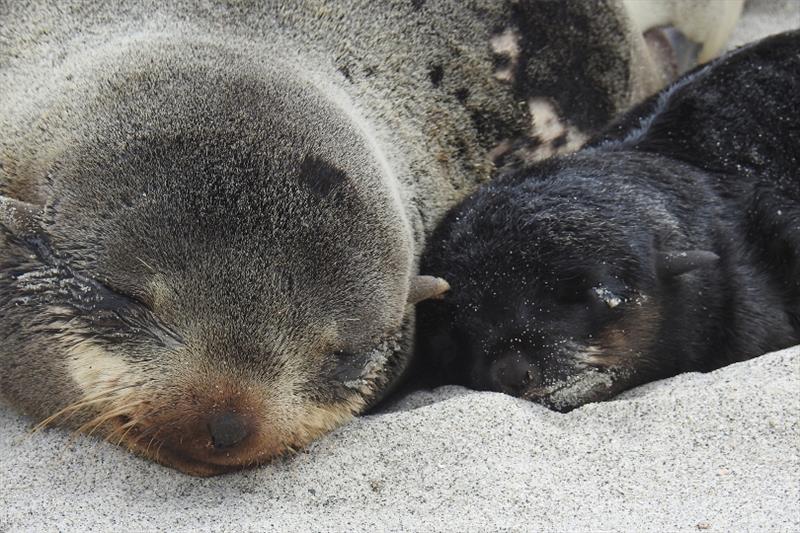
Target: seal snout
<point>212,427</point>
<point>512,372</point>
<point>227,429</point>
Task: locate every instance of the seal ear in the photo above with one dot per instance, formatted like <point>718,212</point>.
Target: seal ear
<point>22,220</point>
<point>670,264</point>
<point>426,287</point>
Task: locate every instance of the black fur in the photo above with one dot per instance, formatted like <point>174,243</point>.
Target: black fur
<point>587,250</point>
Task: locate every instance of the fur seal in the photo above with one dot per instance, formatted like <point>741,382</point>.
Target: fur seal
<point>671,243</point>
<point>212,213</point>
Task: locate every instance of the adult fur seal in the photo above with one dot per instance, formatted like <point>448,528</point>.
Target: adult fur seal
<point>669,244</point>
<point>211,213</point>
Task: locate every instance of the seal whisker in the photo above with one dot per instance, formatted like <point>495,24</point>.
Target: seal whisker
<point>127,427</point>
<point>147,449</point>
<point>157,454</point>
<point>93,424</point>
<point>147,266</point>
<point>136,422</point>
<point>152,431</point>
<point>71,409</point>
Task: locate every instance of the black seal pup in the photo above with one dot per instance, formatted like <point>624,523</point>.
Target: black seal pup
<point>212,212</point>
<point>669,244</point>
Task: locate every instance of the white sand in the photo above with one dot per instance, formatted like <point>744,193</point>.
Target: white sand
<point>719,451</point>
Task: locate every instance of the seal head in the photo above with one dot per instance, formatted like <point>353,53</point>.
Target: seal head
<point>198,270</point>
<point>561,286</point>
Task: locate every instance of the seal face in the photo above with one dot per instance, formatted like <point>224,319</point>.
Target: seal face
<point>172,296</point>
<point>670,244</point>
<point>556,294</point>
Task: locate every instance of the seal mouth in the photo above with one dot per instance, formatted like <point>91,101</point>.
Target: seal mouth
<point>145,442</point>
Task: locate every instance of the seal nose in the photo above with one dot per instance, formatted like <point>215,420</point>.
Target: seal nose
<point>227,429</point>
<point>512,372</point>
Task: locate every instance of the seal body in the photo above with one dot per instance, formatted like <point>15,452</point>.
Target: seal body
<point>671,243</point>
<point>211,214</point>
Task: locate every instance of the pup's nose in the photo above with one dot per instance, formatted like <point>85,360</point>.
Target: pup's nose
<point>512,373</point>
<point>227,429</point>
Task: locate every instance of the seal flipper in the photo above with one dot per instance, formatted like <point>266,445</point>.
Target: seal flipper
<point>425,288</point>
<point>672,50</point>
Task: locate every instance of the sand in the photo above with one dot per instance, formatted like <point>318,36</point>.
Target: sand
<point>718,452</point>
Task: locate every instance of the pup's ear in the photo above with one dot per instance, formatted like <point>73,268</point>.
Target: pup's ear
<point>426,287</point>
<point>670,264</point>
<point>20,219</point>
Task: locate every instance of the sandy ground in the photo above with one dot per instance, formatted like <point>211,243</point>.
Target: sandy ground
<point>718,452</point>
<point>700,451</point>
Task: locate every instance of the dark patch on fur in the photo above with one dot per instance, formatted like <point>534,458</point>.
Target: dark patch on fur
<point>484,122</point>
<point>321,177</point>
<point>345,70</point>
<point>462,147</point>
<point>417,4</point>
<point>592,104</point>
<point>501,61</point>
<point>436,75</point>
<point>559,141</point>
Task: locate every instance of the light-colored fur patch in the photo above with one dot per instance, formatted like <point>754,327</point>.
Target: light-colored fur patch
<point>95,370</point>
<point>506,44</point>
<point>547,126</point>
<point>596,356</point>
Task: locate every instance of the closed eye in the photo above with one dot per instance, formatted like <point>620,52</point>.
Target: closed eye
<point>572,291</point>
<point>112,313</point>
<point>349,366</point>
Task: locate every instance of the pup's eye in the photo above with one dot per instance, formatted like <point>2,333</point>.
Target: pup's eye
<point>607,296</point>
<point>572,291</point>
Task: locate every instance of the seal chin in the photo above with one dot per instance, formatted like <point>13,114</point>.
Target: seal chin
<point>197,468</point>
<point>204,467</point>
<point>194,466</point>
